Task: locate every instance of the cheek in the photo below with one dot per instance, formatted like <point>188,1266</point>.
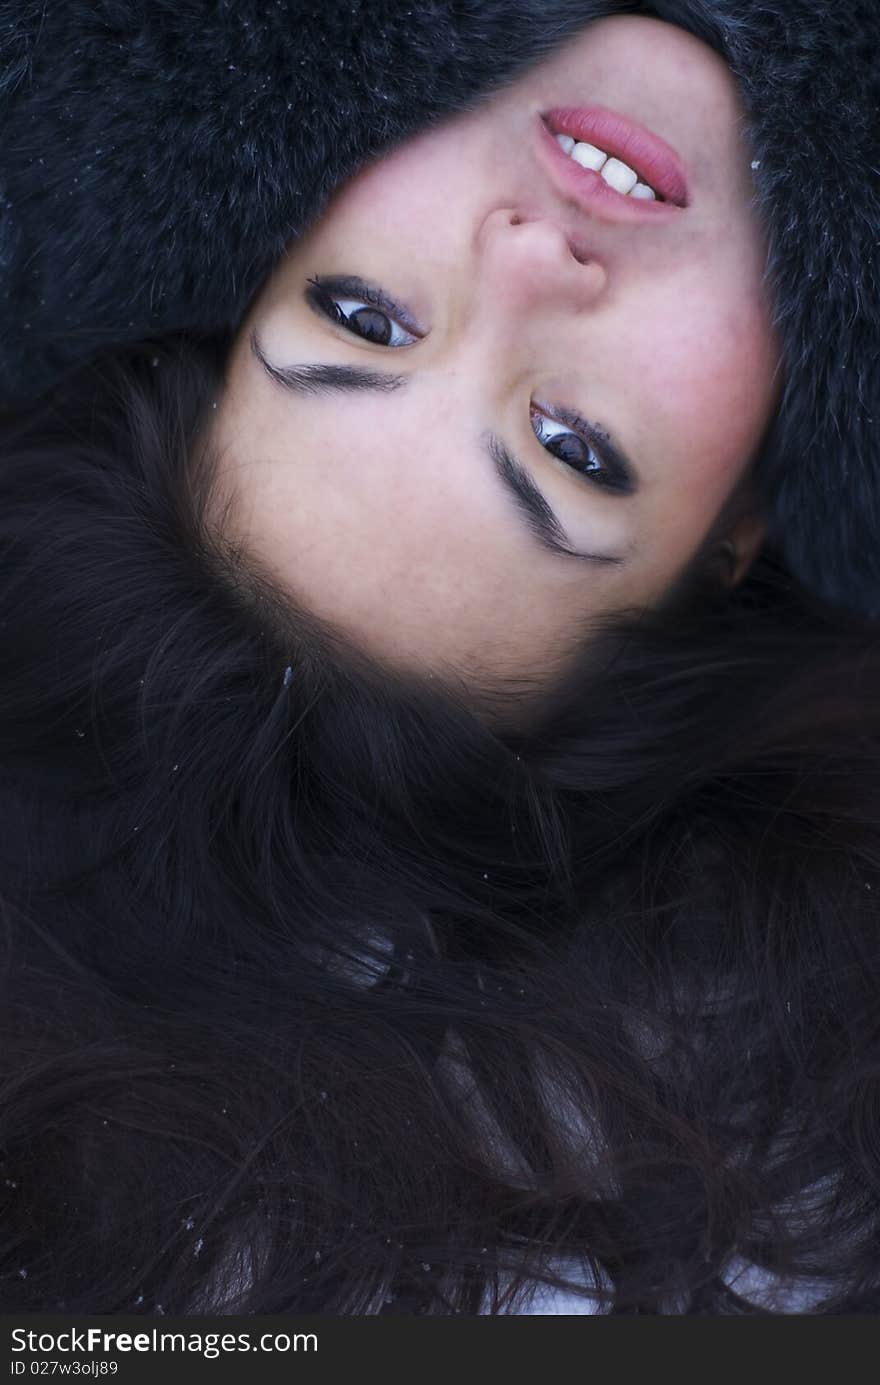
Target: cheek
<point>705,396</point>
<point>707,381</point>
<point>379,187</point>
<point>405,197</point>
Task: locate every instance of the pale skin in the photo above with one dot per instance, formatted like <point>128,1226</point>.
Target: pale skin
<point>380,511</point>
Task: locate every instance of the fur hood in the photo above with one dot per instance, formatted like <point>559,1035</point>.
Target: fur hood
<point>158,155</point>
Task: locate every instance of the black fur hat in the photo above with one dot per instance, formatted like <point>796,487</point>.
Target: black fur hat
<point>157,156</point>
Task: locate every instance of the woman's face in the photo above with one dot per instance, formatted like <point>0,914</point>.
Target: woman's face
<point>392,513</point>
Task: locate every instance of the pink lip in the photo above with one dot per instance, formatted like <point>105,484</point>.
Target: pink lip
<point>651,158</point>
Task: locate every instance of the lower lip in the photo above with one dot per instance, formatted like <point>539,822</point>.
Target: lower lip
<point>589,188</point>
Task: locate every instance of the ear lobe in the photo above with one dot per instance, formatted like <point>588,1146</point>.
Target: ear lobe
<point>743,542</point>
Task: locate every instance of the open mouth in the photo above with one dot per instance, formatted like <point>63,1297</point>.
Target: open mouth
<point>629,159</point>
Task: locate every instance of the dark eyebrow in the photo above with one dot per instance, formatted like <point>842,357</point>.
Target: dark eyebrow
<point>317,378</point>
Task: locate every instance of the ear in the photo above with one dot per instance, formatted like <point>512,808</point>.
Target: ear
<point>743,541</point>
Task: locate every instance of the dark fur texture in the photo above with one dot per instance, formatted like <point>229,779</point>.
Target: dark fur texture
<point>158,156</point>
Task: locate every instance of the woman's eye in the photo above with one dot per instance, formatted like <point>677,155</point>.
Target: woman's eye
<point>369,316</point>
<point>573,449</point>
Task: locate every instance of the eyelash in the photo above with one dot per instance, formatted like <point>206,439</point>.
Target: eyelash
<point>320,296</point>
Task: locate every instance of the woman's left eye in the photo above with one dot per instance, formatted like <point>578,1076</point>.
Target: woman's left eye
<point>369,315</point>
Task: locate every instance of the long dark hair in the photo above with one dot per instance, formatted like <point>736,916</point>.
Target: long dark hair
<point>323,994</point>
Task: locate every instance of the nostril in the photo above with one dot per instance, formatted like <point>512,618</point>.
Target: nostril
<point>581,255</point>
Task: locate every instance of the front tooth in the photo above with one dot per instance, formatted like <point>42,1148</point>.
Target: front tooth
<point>619,175</point>
<point>615,172</point>
<point>588,156</point>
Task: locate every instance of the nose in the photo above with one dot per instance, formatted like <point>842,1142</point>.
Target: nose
<point>533,262</point>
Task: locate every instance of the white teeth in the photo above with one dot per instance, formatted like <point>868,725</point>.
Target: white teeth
<point>618,175</point>
<point>588,156</point>
<point>615,172</point>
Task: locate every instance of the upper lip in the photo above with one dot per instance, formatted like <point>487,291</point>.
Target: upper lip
<point>655,161</point>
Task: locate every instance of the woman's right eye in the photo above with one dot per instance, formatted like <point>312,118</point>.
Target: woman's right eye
<point>369,316</point>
